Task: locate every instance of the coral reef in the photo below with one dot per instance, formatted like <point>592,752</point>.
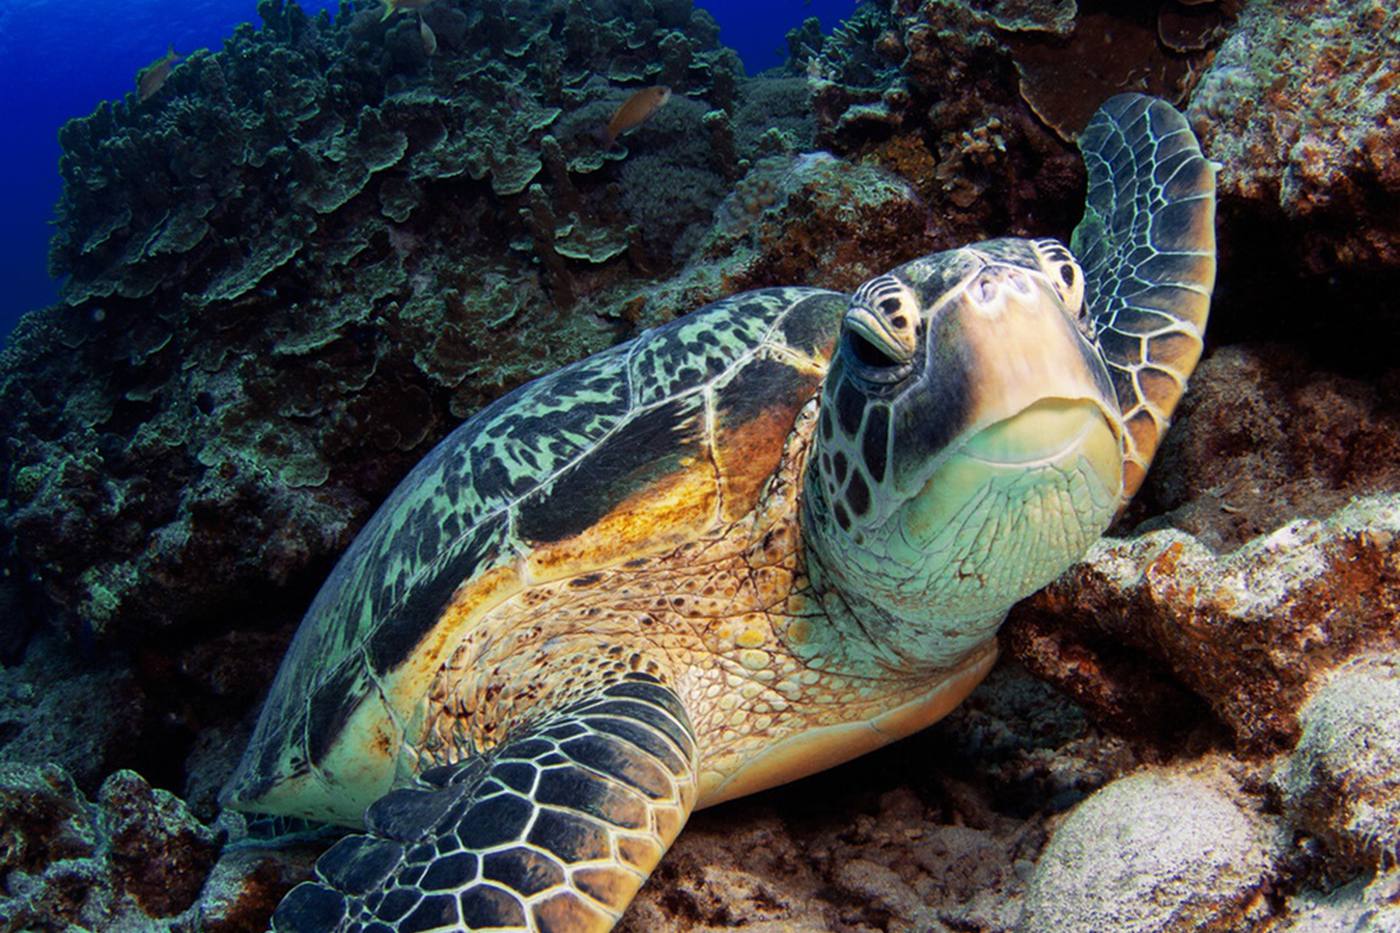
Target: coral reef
<point>288,273</point>
<point>963,97</point>
<point>947,116</point>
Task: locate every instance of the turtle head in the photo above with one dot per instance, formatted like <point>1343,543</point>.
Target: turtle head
<point>969,447</point>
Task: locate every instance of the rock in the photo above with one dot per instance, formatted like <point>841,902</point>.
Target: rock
<point>1028,750</point>
<point>1246,632</point>
<point>1158,850</point>
<point>967,138</point>
<point>803,859</point>
<point>1298,106</point>
<point>1357,907</point>
<point>884,889</point>
<point>245,886</point>
<point>45,820</point>
<point>1252,544</point>
<point>788,216</point>
<point>1265,436</point>
<point>795,212</point>
<point>18,620</point>
<point>156,852</point>
<point>58,708</point>
<point>1342,782</point>
<point>134,860</point>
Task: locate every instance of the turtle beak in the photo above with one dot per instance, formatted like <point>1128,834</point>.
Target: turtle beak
<point>1038,404</point>
<point>1037,384</point>
<point>1053,430</point>
<point>896,343</point>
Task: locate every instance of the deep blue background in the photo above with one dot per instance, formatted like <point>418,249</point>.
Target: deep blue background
<point>59,58</point>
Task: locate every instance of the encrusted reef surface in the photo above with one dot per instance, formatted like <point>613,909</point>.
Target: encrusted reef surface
<point>306,257</point>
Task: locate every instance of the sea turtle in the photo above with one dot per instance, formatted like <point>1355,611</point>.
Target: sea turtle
<point>753,543</point>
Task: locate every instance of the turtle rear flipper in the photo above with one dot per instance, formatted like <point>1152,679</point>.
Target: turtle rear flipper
<point>1147,247</point>
<point>557,828</point>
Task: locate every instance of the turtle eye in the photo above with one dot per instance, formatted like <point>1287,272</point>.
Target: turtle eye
<point>881,329</point>
<point>1065,275</point>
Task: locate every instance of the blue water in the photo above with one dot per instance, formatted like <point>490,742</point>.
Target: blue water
<point>59,58</point>
<point>756,29</point>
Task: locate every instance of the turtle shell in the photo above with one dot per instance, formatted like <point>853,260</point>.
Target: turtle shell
<point>623,455</point>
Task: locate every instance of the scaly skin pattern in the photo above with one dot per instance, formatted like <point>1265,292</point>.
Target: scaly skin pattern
<point>554,829</point>
<point>730,621</point>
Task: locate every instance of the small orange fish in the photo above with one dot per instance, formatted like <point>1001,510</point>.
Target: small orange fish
<point>152,78</point>
<point>635,111</point>
<point>393,6</point>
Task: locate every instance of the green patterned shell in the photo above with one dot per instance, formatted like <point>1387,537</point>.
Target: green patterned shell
<point>540,464</point>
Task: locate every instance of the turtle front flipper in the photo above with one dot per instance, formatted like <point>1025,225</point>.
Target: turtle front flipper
<point>555,829</point>
<point>1147,247</point>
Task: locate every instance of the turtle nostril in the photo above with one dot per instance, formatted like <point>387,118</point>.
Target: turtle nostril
<point>985,290</point>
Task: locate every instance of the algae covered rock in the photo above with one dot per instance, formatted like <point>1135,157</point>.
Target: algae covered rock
<point>1265,436</point>
<point>1342,781</point>
<point>1314,592</point>
<point>805,218</point>
<point>1154,851</point>
<point>133,859</point>
<point>1299,107</point>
